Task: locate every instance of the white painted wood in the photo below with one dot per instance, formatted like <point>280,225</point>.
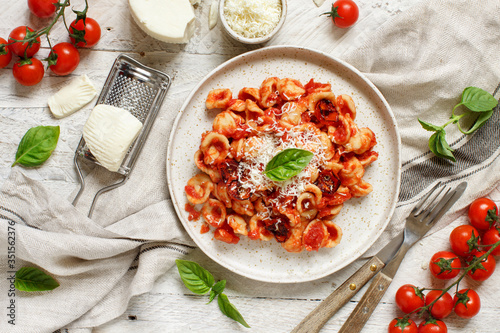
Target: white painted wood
<point>170,307</point>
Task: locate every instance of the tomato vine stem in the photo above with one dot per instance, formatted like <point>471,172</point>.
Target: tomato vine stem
<point>474,265</point>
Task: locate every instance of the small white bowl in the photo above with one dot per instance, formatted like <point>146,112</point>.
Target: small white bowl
<point>257,40</point>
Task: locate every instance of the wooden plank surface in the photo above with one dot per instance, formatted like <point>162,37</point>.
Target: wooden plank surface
<point>170,307</point>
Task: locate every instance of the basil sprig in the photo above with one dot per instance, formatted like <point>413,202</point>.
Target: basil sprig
<point>200,281</point>
<point>37,145</point>
<point>288,163</point>
<point>33,279</point>
<point>477,101</point>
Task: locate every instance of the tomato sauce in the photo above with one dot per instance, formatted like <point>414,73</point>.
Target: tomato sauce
<point>312,86</point>
<point>204,228</point>
<point>194,215</point>
<point>192,192</point>
<point>314,237</point>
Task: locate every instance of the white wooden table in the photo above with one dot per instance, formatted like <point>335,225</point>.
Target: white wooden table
<point>170,307</point>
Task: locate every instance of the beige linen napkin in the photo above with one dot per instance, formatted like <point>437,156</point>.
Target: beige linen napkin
<point>421,61</point>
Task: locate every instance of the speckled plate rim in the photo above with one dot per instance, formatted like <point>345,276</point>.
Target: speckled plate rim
<point>195,234</point>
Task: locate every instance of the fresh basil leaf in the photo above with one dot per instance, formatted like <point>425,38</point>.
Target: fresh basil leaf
<point>195,278</point>
<point>478,100</point>
<point>442,147</point>
<point>432,144</point>
<point>33,279</point>
<point>37,145</point>
<point>429,127</point>
<point>217,289</point>
<point>288,163</point>
<point>480,121</point>
<point>230,310</point>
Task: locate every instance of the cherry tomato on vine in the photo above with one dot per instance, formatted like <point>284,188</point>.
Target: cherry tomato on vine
<point>483,213</point>
<point>28,72</point>
<point>491,237</point>
<point>344,13</point>
<point>92,32</point>
<point>402,325</point>
<point>443,306</point>
<point>42,8</point>
<point>485,269</point>
<point>464,240</point>
<point>432,325</point>
<point>445,265</point>
<point>18,48</point>
<point>67,59</point>
<point>5,54</point>
<point>467,303</point>
<point>409,298</point>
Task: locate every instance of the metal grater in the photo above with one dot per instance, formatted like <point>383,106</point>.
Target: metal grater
<point>138,89</point>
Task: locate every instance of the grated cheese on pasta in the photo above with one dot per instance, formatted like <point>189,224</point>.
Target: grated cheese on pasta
<point>252,18</point>
<point>272,144</point>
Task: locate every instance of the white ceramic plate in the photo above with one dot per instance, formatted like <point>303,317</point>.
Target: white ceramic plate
<point>362,220</point>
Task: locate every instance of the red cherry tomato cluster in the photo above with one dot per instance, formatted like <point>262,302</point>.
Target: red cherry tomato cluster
<point>63,58</point>
<point>468,244</point>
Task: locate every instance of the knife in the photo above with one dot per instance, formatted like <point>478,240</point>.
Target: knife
<point>388,260</point>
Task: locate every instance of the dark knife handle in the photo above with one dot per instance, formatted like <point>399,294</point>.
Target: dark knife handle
<point>326,309</point>
<point>367,304</point>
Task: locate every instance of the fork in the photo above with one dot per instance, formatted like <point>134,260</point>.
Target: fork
<point>422,217</point>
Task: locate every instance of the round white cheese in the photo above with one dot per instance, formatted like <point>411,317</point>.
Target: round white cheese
<point>109,132</point>
<point>171,21</point>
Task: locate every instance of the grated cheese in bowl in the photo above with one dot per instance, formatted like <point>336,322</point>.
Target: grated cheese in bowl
<point>253,18</point>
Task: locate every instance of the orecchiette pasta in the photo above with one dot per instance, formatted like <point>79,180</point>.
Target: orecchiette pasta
<point>236,196</point>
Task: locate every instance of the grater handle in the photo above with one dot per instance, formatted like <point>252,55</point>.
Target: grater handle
<point>103,190</point>
<point>80,178</point>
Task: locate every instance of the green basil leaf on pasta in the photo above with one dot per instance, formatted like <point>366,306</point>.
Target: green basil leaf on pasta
<point>478,100</point>
<point>37,145</point>
<point>288,163</point>
<point>230,310</point>
<point>33,279</point>
<point>195,278</point>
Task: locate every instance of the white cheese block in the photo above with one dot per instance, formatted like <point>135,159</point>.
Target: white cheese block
<point>109,132</point>
<point>213,14</point>
<point>171,21</point>
<point>71,98</point>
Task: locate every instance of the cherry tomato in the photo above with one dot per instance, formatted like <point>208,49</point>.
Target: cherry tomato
<point>464,240</point>
<point>445,265</point>
<point>92,32</point>
<point>432,325</point>
<point>490,237</point>
<point>344,13</point>
<point>42,8</point>
<point>443,306</point>
<point>409,298</point>
<point>483,213</point>
<point>467,303</point>
<point>5,55</point>
<point>28,72</point>
<point>18,48</point>
<point>67,60</point>
<point>402,325</point>
<point>487,267</point>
